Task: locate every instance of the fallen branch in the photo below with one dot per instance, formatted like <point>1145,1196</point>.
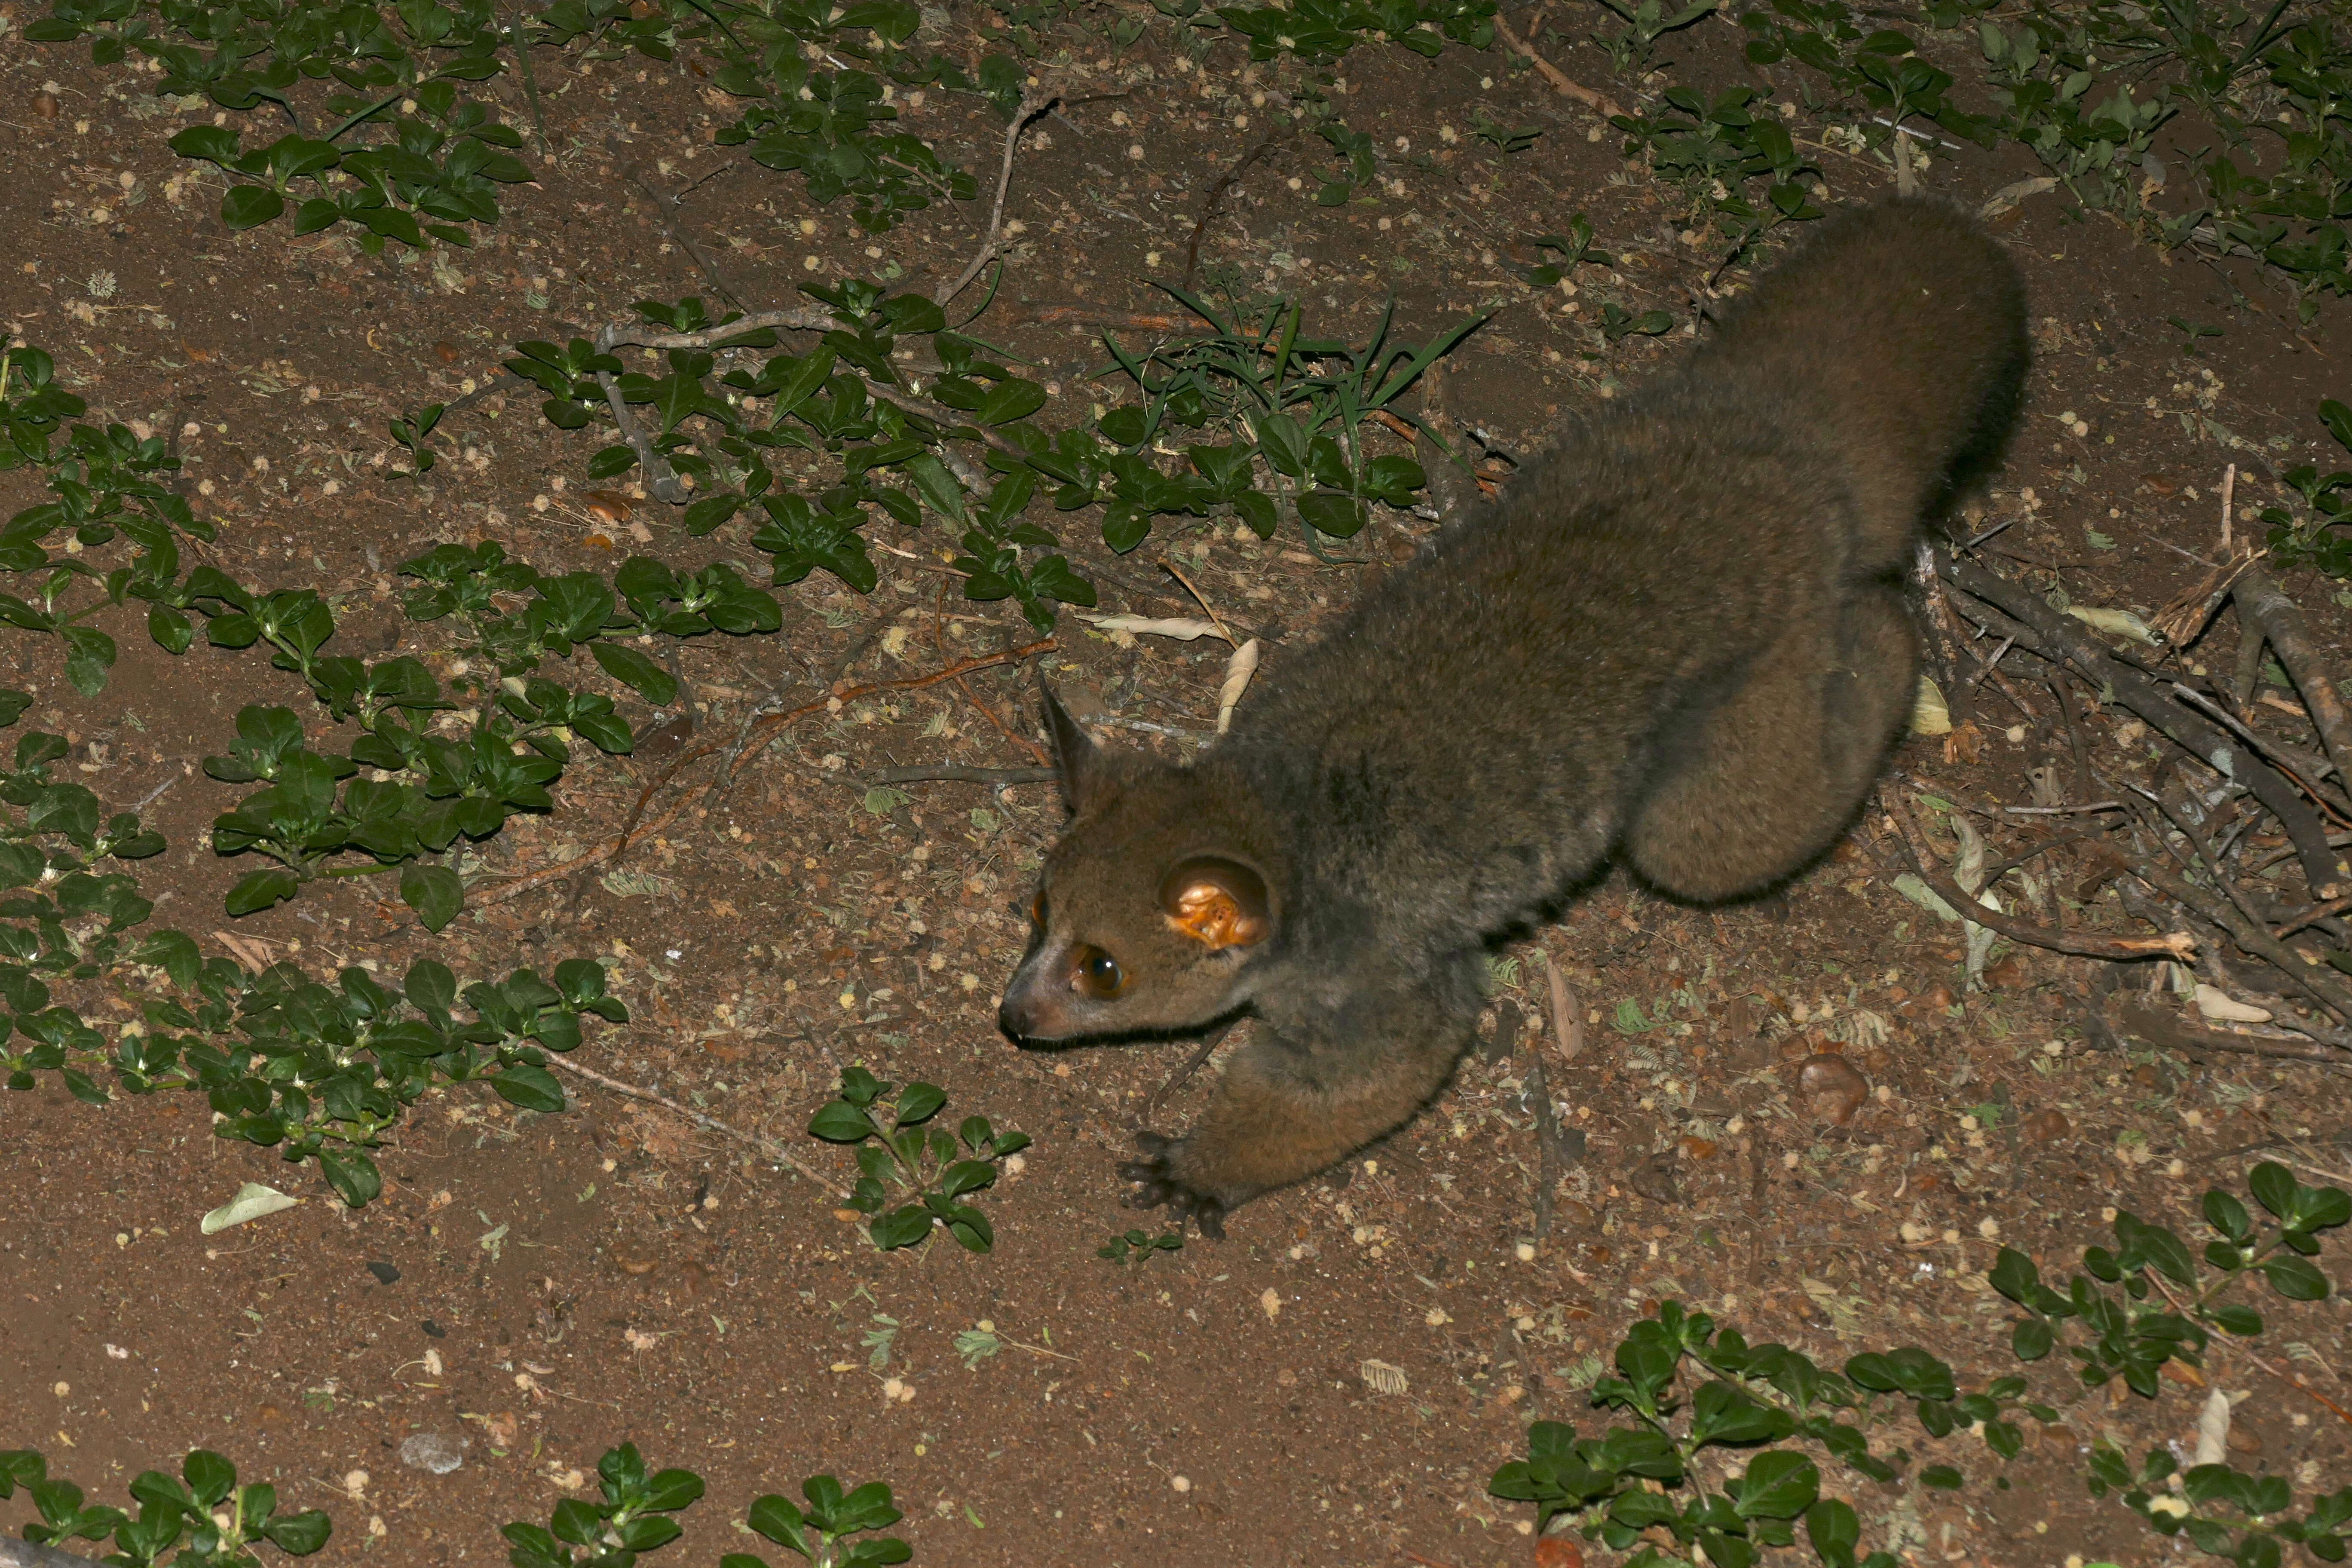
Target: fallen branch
<point>761,733</point>
<point>1599,102</point>
<point>16,1554</point>
<point>2047,632</point>
<point>768,1147</point>
<point>2158,1027</point>
<point>1216,196</point>
<point>995,778</point>
<point>1034,102</point>
<point>2282,626</point>
<point>2115,950</point>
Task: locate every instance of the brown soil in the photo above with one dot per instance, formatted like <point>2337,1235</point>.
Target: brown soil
<point>544,1288</point>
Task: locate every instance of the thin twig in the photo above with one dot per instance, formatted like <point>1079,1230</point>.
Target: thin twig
<point>2282,629</point>
<point>1599,102</point>
<point>1209,1043</point>
<point>762,733</point>
<point>2173,944</point>
<point>992,777</point>
<point>1034,102</point>
<point>1216,194</point>
<point>665,208</point>
<point>768,1147</point>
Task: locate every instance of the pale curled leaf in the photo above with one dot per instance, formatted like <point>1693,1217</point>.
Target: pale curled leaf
<point>1238,670</point>
<point>1926,898</point>
<point>1182,629</point>
<point>2113,623</point>
<point>1383,1377</point>
<point>1929,716</point>
<point>2223,1008</point>
<point>2213,1428</point>
<point>253,1201</point>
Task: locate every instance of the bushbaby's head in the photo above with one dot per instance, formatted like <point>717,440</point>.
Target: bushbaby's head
<point>1149,911</point>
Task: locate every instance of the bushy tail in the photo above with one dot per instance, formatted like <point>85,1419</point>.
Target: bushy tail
<point>1896,339</point>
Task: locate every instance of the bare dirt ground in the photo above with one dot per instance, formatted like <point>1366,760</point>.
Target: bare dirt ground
<point>540,1288</point>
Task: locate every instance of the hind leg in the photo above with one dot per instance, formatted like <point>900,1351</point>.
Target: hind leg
<point>1776,769</point>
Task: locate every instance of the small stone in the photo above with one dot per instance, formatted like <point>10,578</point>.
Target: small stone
<point>1831,1088</point>
<point>2242,1441</point>
<point>1181,1483</point>
<point>385,1274</point>
<point>44,106</point>
<point>2047,1125</point>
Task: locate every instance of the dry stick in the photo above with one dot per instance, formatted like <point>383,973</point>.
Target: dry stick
<point>1034,750</point>
<point>995,778</point>
<point>1216,195</point>
<point>2115,950</point>
<point>2244,924</point>
<point>1023,313</point>
<point>2295,922</point>
<point>2161,1028</point>
<point>766,1146</point>
<point>762,733</point>
<point>16,1554</point>
<point>2181,1307</point>
<point>1599,102</point>
<point>2282,626</point>
<point>665,208</point>
<point>2048,633</point>
<point>1200,599</point>
<point>1551,1151</point>
<point>1034,102</point>
<point>1208,1042</point>
<point>1452,485</point>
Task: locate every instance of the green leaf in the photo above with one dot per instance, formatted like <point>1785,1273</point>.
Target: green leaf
<point>530,1085</point>
<point>938,487</point>
<point>2297,1279</point>
<point>636,671</point>
<point>249,207</point>
<point>262,890</point>
<point>839,1121</point>
<point>904,1227</point>
<point>1779,1484</point>
<point>434,892</point>
<point>918,1103</point>
<point>352,1175</point>
<point>299,1534</point>
<point>2274,1187</point>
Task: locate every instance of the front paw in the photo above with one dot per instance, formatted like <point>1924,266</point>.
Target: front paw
<point>1157,1185</point>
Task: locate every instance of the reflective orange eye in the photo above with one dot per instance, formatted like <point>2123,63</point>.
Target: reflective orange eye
<point>1098,972</point>
<point>1037,909</point>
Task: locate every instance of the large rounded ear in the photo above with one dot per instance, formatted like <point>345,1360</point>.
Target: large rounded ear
<point>1216,902</point>
<point>1076,756</point>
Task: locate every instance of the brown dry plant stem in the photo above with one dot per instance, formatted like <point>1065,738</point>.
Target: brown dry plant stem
<point>2282,626</point>
<point>1037,752</point>
<point>16,1554</point>
<point>1599,102</point>
<point>666,210</point>
<point>1216,195</point>
<point>994,778</point>
<point>761,732</point>
<point>2161,1028</point>
<point>2037,626</point>
<point>1175,1080</point>
<point>1452,485</point>
<point>2239,917</point>
<point>2174,945</point>
<point>1035,101</point>
<point>768,1147</point>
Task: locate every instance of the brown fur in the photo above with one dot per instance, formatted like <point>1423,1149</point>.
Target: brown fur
<point>1678,638</point>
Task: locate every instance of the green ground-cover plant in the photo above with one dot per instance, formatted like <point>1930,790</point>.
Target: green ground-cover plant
<point>1287,412</point>
<point>322,1071</point>
<point>1721,151</point>
<point>636,1514</point>
<point>898,1148</point>
<point>219,1522</point>
<point>121,521</point>
<point>398,153</point>
<point>2224,1511</point>
<point>2311,535</point>
<point>2148,1301</point>
<point>1291,405</point>
<point>1319,32</point>
<point>1136,1247</point>
<point>1691,1386</point>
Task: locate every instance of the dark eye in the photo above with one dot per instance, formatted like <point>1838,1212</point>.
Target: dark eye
<point>1098,972</point>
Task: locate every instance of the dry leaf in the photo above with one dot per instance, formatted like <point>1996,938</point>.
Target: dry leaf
<point>1178,626</point>
<point>1238,670</point>
<point>1929,716</point>
<point>2113,623</point>
<point>1381,1378</point>
<point>253,1201</point>
<point>2223,1008</point>
<point>2006,198</point>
